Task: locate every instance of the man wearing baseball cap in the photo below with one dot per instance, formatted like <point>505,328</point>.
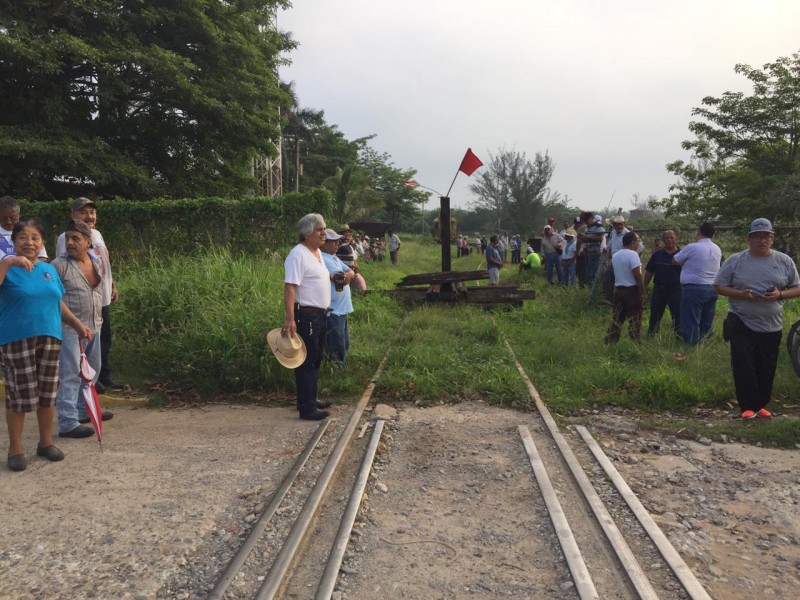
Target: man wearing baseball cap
<point>756,281</point>
<point>337,338</point>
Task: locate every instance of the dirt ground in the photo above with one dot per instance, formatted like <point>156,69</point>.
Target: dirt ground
<point>170,485</point>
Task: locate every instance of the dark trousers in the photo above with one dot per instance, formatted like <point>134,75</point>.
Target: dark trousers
<point>627,305</point>
<point>664,296</point>
<point>311,327</point>
<point>580,270</point>
<point>754,357</point>
<point>105,346</point>
<point>608,283</point>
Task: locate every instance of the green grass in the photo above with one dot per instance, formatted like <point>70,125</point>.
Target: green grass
<point>198,325</point>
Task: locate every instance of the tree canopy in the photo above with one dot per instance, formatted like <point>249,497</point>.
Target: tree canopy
<point>745,158</point>
<point>516,190</point>
<point>137,99</point>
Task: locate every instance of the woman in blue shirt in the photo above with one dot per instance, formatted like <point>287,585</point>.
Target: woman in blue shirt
<point>31,312</point>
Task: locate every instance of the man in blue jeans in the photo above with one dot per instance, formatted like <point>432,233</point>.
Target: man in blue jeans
<point>80,273</point>
<point>337,341</point>
<point>700,262</point>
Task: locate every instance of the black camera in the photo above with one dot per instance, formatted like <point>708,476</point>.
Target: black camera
<point>338,280</point>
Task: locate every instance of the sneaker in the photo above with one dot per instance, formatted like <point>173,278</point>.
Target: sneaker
<point>748,414</point>
<point>764,414</point>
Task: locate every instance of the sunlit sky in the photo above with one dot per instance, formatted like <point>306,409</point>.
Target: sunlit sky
<point>605,86</point>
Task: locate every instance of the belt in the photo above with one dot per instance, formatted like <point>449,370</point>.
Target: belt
<point>307,310</point>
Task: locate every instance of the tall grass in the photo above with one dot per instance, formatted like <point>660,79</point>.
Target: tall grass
<point>200,324</point>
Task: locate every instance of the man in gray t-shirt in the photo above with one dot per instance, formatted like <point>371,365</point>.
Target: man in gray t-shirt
<point>756,281</point>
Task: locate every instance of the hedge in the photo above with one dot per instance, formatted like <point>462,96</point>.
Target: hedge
<point>133,228</point>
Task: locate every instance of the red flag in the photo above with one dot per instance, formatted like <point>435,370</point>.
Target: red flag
<point>410,183</point>
<point>470,163</point>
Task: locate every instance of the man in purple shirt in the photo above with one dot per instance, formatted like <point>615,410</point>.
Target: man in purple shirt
<point>700,262</point>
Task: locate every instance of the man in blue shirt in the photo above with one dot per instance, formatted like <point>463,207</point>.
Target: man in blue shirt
<point>700,262</point>
<point>337,342</point>
<point>666,276</point>
<point>494,260</point>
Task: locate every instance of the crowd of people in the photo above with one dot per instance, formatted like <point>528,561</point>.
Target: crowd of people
<point>686,281</point>
<point>50,315</point>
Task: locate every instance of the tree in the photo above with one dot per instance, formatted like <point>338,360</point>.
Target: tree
<point>353,197</point>
<point>516,190</point>
<point>401,204</point>
<point>745,159</point>
<point>300,126</point>
<point>137,100</point>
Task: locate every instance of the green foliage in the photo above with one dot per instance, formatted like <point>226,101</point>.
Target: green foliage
<point>137,100</point>
<point>249,225</point>
<point>514,190</point>
<point>746,155</point>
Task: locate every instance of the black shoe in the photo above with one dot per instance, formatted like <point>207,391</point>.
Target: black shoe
<point>322,403</point>
<point>99,388</point>
<point>17,462</point>
<point>51,453</point>
<point>107,416</point>
<point>316,415</point>
<point>111,384</point>
<point>81,431</point>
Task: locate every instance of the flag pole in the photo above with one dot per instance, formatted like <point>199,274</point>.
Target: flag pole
<point>452,183</point>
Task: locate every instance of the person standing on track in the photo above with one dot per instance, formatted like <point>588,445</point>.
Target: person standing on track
<point>756,281</point>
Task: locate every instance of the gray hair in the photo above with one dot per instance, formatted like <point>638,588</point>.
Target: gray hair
<point>7,202</point>
<point>307,225</point>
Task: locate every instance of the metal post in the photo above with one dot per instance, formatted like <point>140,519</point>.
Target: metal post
<point>444,220</point>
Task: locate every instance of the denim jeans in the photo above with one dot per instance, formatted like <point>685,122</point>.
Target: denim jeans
<point>592,264</point>
<point>698,303</point>
<point>337,339</point>
<point>310,327</point>
<point>70,405</point>
<point>568,273</point>
<point>551,262</point>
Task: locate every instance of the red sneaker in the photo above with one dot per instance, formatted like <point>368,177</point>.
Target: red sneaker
<point>764,414</point>
<point>748,414</point>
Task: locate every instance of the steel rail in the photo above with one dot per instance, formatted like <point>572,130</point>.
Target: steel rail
<point>682,571</point>
<point>577,566</point>
<point>624,553</point>
<point>280,567</point>
<point>236,563</point>
<point>331,574</point>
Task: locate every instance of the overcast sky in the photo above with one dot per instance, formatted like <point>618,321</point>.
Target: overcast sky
<point>605,86</point>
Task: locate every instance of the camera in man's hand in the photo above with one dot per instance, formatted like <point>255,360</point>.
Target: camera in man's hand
<point>338,280</point>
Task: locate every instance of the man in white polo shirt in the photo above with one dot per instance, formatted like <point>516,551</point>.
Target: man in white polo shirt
<point>700,263</point>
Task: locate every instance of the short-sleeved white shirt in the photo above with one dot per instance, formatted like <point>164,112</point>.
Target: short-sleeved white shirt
<point>624,262</point>
<point>307,271</point>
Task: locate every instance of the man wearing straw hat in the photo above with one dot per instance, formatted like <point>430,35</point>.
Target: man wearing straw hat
<point>306,299</point>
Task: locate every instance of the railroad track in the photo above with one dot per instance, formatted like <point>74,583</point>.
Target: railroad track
<point>560,538</point>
